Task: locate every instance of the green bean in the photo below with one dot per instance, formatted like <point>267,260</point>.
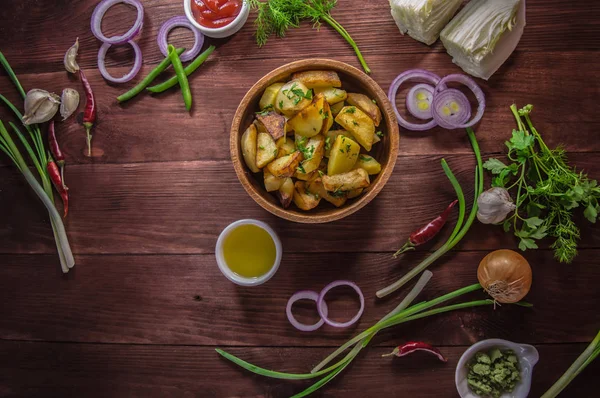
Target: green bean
<point>195,64</point>
<point>183,81</point>
<point>148,79</point>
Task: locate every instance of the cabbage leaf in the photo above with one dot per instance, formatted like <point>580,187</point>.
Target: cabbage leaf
<point>423,19</point>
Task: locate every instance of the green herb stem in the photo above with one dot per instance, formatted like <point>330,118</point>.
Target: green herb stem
<point>12,75</point>
<point>149,78</point>
<point>586,357</point>
<point>189,69</point>
<point>340,29</point>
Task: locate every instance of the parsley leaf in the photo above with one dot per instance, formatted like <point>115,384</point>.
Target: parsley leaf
<point>494,165</point>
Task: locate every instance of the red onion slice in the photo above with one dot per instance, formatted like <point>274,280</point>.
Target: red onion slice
<point>470,83</point>
<point>305,295</point>
<point>137,65</point>
<point>414,74</point>
<point>451,108</point>
<point>98,15</point>
<point>180,22</point>
<point>420,107</point>
<point>324,314</point>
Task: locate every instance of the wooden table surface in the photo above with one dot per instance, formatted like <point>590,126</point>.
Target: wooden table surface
<point>145,306</point>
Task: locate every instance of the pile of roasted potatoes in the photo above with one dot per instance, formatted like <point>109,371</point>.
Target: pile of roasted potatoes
<point>312,139</point>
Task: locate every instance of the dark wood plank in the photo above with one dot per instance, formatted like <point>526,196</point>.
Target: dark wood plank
<point>181,207</point>
<point>90,370</point>
<point>152,299</point>
<point>549,28</point>
<point>564,108</point>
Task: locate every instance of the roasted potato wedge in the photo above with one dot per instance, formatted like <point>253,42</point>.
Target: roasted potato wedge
<point>313,119</point>
<point>359,124</point>
<point>318,78</point>
<point>332,95</point>
<point>335,109</point>
<point>286,146</point>
<point>286,193</point>
<point>272,123</point>
<point>313,154</point>
<point>355,193</point>
<point>249,145</point>
<point>292,98</point>
<point>338,199</point>
<point>303,198</point>
<point>267,150</point>
<point>366,105</point>
<point>343,155</point>
<point>368,164</point>
<point>272,183</point>
<point>354,179</point>
<point>267,101</point>
<point>285,166</point>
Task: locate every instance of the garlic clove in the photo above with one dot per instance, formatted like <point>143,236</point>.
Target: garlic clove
<point>40,106</point>
<point>69,102</point>
<point>70,59</point>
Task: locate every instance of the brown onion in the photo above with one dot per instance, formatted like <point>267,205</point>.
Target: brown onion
<point>505,275</point>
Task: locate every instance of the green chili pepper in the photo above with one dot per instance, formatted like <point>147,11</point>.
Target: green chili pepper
<point>195,64</point>
<point>148,79</point>
<point>181,76</point>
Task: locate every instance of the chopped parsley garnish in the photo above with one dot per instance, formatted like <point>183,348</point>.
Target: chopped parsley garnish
<point>280,104</point>
<point>341,150</point>
<point>328,143</point>
<point>350,110</point>
<point>275,151</point>
<point>301,169</point>
<point>365,158</point>
<point>266,110</point>
<point>324,115</point>
<point>337,194</point>
<point>355,122</point>
<point>348,147</point>
<point>374,101</point>
<point>261,147</point>
<point>321,174</point>
<point>295,94</point>
<point>379,134</point>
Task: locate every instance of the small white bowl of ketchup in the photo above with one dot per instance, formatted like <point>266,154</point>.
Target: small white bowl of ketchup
<point>217,18</point>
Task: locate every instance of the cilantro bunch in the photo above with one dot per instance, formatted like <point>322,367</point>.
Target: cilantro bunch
<point>547,190</point>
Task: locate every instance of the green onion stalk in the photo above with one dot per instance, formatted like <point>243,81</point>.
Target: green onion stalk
<point>460,230</point>
<point>414,312</point>
<point>587,357</point>
<point>39,158</point>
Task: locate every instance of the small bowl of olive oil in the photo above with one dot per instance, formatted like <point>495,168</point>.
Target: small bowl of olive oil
<point>248,252</point>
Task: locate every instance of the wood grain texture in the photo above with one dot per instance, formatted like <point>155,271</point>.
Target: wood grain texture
<point>145,306</point>
<point>385,152</point>
<point>181,371</point>
<point>181,207</point>
<point>151,300</point>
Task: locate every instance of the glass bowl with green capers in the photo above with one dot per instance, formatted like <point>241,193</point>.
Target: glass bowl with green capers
<point>496,368</point>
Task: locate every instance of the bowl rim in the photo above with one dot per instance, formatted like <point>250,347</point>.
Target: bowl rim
<point>314,64</point>
<point>244,11</point>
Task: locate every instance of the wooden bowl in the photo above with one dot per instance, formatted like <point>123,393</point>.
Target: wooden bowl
<point>385,152</point>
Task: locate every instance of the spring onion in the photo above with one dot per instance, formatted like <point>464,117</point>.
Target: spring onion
<point>423,20</point>
<point>484,34</point>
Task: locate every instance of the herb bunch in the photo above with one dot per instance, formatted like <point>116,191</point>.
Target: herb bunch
<point>548,190</point>
<point>278,16</point>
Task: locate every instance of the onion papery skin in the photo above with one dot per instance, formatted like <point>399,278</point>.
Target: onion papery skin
<point>505,275</point>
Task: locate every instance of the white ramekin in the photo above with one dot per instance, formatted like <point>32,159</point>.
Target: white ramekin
<point>225,31</point>
<point>528,357</point>
<point>232,276</point>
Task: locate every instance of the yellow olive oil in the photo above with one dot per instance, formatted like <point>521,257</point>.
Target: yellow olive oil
<point>249,251</point>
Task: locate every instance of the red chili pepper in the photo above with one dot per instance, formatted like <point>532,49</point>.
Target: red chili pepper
<point>89,114</point>
<point>56,179</point>
<point>428,232</point>
<point>55,150</point>
<point>413,346</point>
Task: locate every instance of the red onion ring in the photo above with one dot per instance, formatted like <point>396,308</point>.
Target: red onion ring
<point>305,295</point>
<point>101,9</point>
<point>398,81</point>
<point>442,99</point>
<point>137,65</point>
<point>321,301</point>
<point>181,22</point>
<point>412,103</point>
<point>470,83</point>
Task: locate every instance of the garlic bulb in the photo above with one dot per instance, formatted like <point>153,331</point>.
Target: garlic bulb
<point>494,205</point>
<point>70,60</point>
<point>69,101</point>
<point>40,106</point>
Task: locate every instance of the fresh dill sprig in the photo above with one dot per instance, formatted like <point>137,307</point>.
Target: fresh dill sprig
<point>276,17</point>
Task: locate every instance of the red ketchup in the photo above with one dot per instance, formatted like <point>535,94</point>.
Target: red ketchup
<point>215,13</point>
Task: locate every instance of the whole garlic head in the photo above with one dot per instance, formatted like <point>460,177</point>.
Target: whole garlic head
<point>494,205</point>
